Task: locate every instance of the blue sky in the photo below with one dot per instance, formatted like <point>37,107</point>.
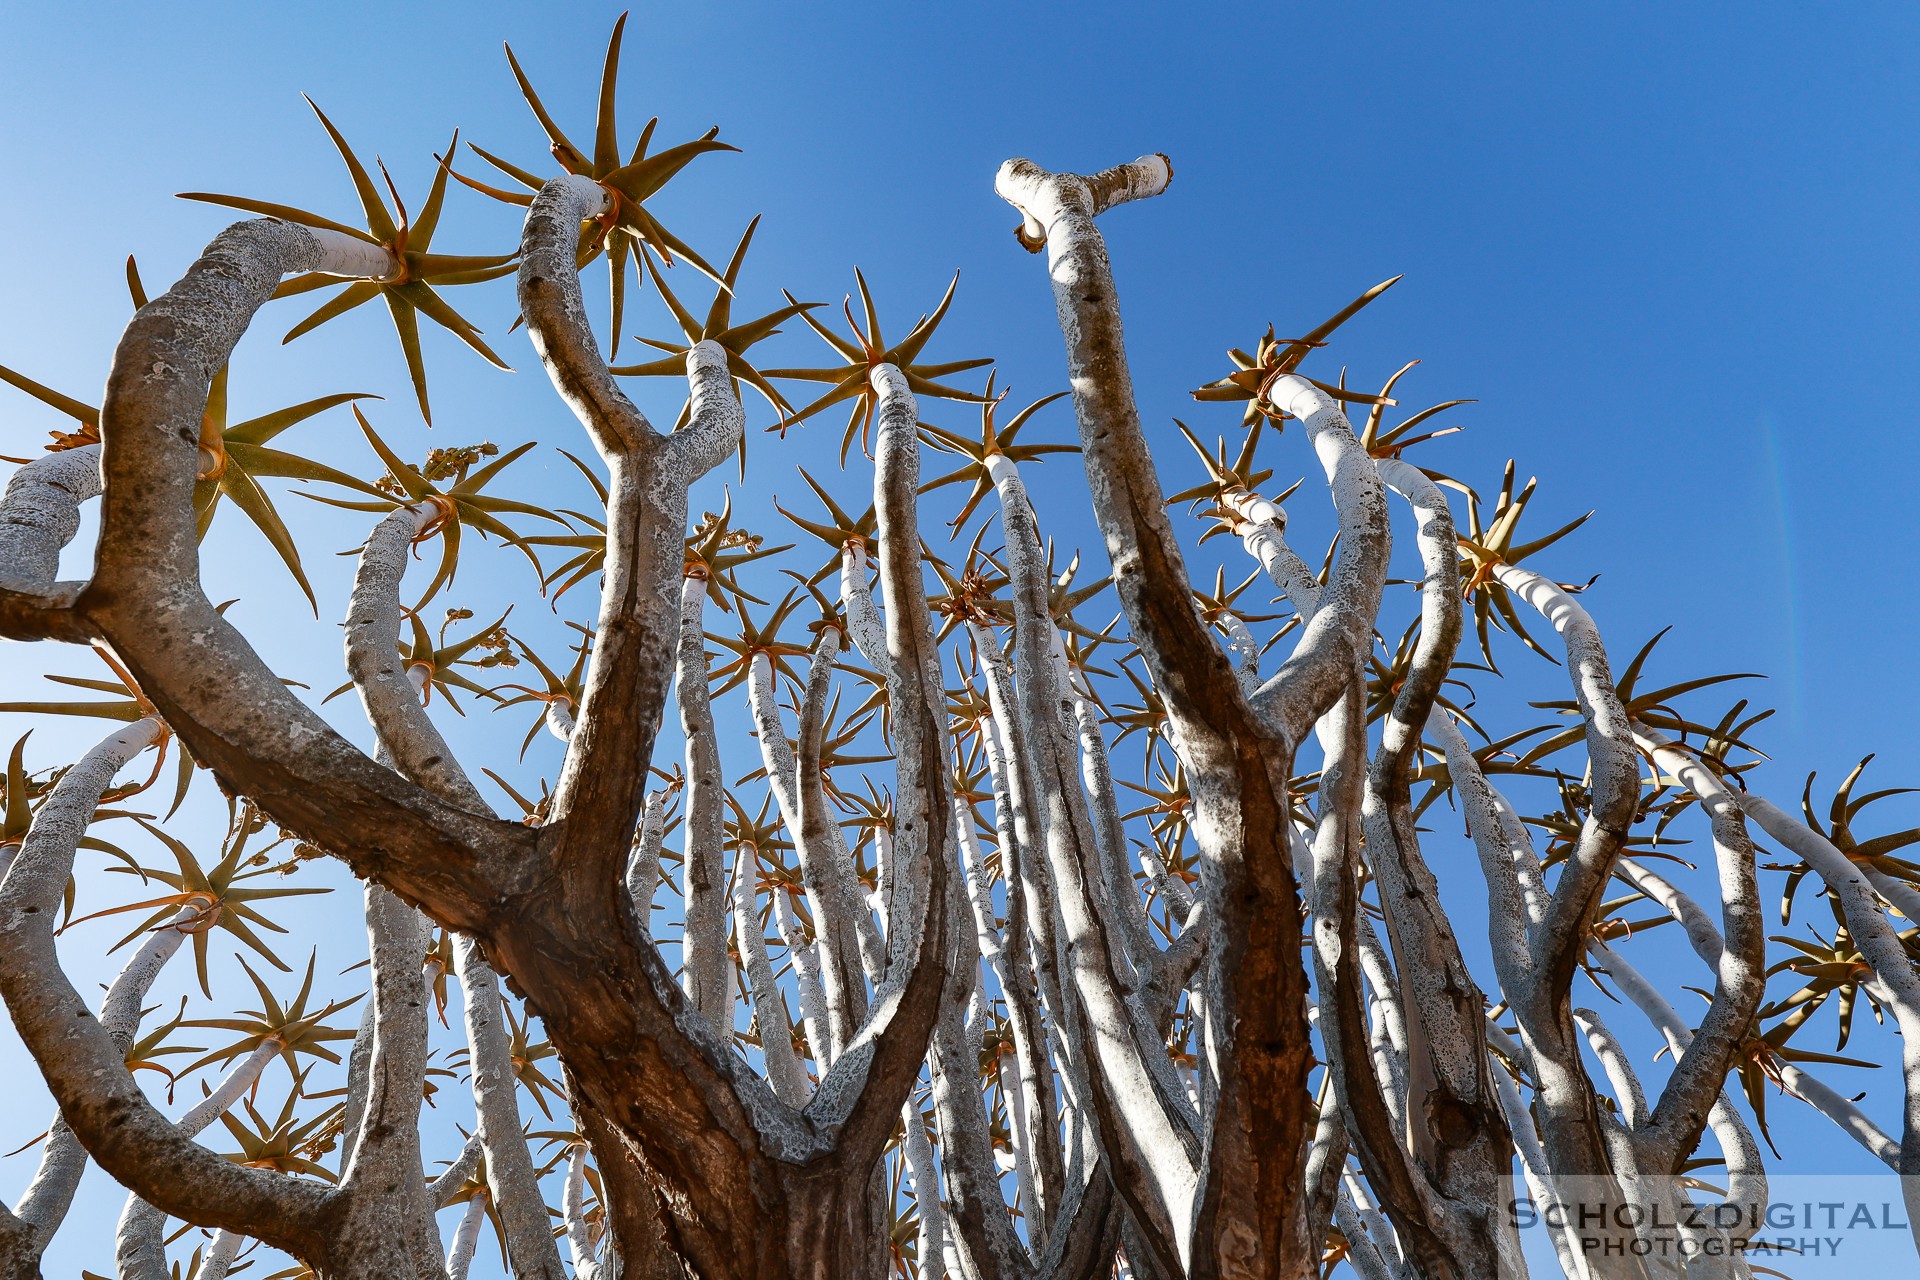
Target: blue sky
<point>1668,249</point>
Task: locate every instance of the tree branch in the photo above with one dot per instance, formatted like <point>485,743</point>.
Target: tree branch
<point>1238,766</point>
<point>601,791</point>
<point>384,1182</point>
<point>1457,1133</point>
<point>703,936</point>
<point>1740,970</point>
<point>212,688</point>
<point>1615,783</point>
<point>81,1061</point>
<point>861,1096</point>
<point>391,696</point>
<point>39,514</point>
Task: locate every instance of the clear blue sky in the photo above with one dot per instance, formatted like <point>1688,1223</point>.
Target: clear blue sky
<point>1669,249</point>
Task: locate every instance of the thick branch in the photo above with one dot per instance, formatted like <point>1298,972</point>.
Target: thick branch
<point>1149,571</point>
<point>392,699</point>
<point>81,1061</point>
<point>39,514</point>
<point>556,314</point>
<point>862,1095</point>
<point>1238,772</point>
<point>1740,970</point>
<point>1615,771</point>
<point>209,684</point>
<point>703,938</point>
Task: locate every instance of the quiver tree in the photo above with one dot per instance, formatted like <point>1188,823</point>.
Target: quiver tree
<point>933,987</point>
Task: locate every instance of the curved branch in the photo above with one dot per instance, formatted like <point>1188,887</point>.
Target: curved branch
<point>556,314</point>
<point>1263,532</point>
<point>212,688</point>
<point>1880,943</point>
<point>1149,571</point>
<point>1457,1132</point>
<point>1339,633</point>
<point>39,514</point>
<point>441,1190</point>
<point>1693,1089</point>
<point>81,1061</point>
<point>862,1094</point>
<point>703,938</point>
<point>1238,765</point>
<point>1615,785</point>
<point>601,790</point>
<point>406,732</point>
<point>1572,1127</point>
<point>1746,1177</point>
<point>387,689</point>
<point>63,1161</point>
<point>715,420</point>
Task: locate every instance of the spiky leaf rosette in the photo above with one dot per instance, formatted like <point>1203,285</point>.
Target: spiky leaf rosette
<point>837,530</point>
<point>291,1029</point>
<point>995,441</point>
<point>628,230</point>
<point>410,289</point>
<point>718,327</point>
<point>866,351</point>
<point>460,504</point>
<point>234,456</point>
<point>1484,548</point>
<point>1273,357</point>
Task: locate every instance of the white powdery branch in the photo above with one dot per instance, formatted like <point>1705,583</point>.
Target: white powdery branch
<point>1339,631</point>
<point>1516,891</point>
<point>924,1176</point>
<point>864,623</point>
<point>784,1071</point>
<point>220,1255</point>
<point>352,257</point>
<point>573,1210</point>
<point>63,1160</point>
<point>1614,767</point>
<point>704,935</point>
<point>40,512</point>
<point>643,866</point>
<point>1880,943</point>
<point>806,975</point>
<point>466,1237</point>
